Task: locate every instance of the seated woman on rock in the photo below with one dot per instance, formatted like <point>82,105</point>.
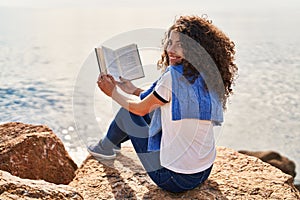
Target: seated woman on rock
<point>175,142</point>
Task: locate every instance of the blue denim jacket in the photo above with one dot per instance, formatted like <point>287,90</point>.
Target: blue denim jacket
<point>188,101</point>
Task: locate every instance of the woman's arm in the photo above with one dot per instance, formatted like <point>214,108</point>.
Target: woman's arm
<point>128,87</point>
<point>139,107</point>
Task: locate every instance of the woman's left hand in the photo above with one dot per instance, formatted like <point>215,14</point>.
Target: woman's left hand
<point>107,84</point>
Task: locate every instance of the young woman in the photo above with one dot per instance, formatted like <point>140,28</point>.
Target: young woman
<point>175,142</point>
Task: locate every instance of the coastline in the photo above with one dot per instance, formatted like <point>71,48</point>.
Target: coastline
<point>234,175</point>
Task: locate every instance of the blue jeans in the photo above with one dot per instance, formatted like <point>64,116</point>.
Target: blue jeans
<point>127,125</point>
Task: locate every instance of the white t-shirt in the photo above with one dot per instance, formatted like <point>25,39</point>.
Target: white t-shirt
<point>187,145</point>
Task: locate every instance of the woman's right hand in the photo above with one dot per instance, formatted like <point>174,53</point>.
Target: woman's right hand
<point>126,85</point>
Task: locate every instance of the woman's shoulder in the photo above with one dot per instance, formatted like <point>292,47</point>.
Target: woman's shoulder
<point>165,80</point>
<point>165,76</point>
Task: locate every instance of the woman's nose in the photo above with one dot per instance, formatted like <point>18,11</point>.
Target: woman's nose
<point>171,48</point>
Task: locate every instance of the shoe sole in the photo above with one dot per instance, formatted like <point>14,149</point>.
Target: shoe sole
<point>106,157</point>
<point>117,150</point>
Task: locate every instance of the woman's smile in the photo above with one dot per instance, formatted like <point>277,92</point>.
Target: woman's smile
<point>174,59</point>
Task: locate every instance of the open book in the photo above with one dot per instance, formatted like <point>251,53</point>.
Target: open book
<point>124,62</point>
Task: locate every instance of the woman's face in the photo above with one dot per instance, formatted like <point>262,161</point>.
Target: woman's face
<point>174,49</point>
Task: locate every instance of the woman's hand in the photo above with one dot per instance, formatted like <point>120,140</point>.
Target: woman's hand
<point>140,107</point>
<point>127,86</point>
<point>107,84</point>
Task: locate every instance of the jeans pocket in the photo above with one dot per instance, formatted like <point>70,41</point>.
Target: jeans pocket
<point>190,181</point>
<point>201,176</point>
<point>187,181</point>
<point>165,182</point>
<point>170,185</point>
<point>177,182</point>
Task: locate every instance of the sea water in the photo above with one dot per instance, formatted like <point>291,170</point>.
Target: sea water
<point>42,51</point>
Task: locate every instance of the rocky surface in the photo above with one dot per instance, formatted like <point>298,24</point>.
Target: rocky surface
<point>275,159</point>
<point>234,176</point>
<point>298,187</point>
<point>34,152</point>
<point>12,187</point>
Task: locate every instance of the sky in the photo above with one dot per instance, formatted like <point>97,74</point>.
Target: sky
<point>155,4</point>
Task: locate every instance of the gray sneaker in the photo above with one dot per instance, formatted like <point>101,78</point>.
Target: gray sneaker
<point>117,148</point>
<point>97,151</point>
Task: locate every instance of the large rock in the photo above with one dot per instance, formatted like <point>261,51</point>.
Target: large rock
<point>275,159</point>
<point>234,176</point>
<point>34,152</point>
<point>12,187</point>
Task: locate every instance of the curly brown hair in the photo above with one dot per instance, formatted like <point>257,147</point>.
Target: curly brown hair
<point>204,46</point>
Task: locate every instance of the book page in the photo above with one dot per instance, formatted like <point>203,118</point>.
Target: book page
<point>100,60</point>
<point>112,62</point>
<point>130,62</point>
